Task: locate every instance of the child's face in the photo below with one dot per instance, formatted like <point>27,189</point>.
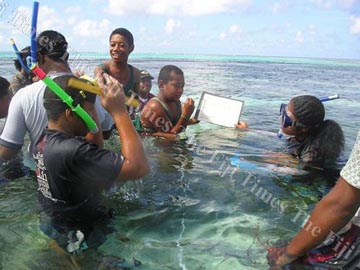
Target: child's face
<point>145,85</point>
<point>174,88</point>
<point>119,48</point>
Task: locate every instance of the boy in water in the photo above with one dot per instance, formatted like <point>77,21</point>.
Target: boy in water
<point>121,45</point>
<point>144,93</point>
<point>164,115</point>
<point>71,172</point>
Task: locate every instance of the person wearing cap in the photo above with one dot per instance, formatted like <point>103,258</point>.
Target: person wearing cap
<point>21,78</point>
<point>144,93</point>
<point>121,43</point>
<point>145,86</point>
<point>26,110</point>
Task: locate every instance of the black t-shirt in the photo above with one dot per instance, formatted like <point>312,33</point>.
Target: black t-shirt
<point>72,173</point>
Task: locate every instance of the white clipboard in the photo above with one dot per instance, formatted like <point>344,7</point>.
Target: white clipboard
<point>219,110</point>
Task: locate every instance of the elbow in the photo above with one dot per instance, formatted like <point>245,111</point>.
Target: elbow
<point>144,170</point>
<point>134,170</point>
<point>141,169</point>
<point>140,172</point>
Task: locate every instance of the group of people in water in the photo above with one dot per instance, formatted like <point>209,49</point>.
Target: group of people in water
<point>73,167</point>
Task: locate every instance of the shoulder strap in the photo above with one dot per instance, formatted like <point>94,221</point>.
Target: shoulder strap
<point>104,68</point>
<point>131,83</point>
<point>166,108</point>
<point>179,111</point>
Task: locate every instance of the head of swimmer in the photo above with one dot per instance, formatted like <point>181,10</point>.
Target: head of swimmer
<point>121,44</point>
<point>171,83</point>
<point>60,115</point>
<point>301,116</point>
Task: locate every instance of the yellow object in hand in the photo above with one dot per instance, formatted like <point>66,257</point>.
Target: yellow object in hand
<point>89,84</point>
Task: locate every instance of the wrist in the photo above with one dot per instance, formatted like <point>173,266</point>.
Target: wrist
<point>120,110</point>
<point>288,257</point>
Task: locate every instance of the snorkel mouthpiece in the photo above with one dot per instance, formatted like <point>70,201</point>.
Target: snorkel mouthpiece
<point>53,86</point>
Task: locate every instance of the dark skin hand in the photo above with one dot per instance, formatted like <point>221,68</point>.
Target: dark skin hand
<point>331,214</point>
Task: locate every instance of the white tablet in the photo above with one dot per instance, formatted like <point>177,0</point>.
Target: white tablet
<point>219,110</point>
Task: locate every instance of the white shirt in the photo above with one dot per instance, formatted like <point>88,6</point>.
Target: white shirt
<point>27,114</point>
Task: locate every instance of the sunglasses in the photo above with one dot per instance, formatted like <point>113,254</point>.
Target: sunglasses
<point>286,120</point>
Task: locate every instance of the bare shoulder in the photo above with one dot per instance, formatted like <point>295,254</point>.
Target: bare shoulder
<point>101,66</point>
<point>152,111</point>
<point>136,72</point>
<point>154,105</point>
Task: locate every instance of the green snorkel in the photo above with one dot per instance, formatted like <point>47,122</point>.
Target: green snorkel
<point>90,123</point>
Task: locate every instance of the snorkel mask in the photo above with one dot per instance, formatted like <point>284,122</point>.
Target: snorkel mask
<point>286,118</point>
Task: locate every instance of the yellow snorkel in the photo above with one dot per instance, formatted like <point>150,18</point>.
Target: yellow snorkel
<point>89,84</point>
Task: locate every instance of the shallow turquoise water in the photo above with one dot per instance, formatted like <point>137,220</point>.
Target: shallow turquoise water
<point>196,210</point>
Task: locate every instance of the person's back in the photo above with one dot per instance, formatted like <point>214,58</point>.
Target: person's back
<point>72,172</point>
<point>72,181</point>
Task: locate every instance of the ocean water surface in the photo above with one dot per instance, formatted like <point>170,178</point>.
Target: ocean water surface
<point>213,200</point>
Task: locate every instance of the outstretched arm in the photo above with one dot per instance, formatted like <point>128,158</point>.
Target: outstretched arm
<point>331,214</point>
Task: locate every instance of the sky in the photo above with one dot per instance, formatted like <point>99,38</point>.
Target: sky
<point>289,28</point>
